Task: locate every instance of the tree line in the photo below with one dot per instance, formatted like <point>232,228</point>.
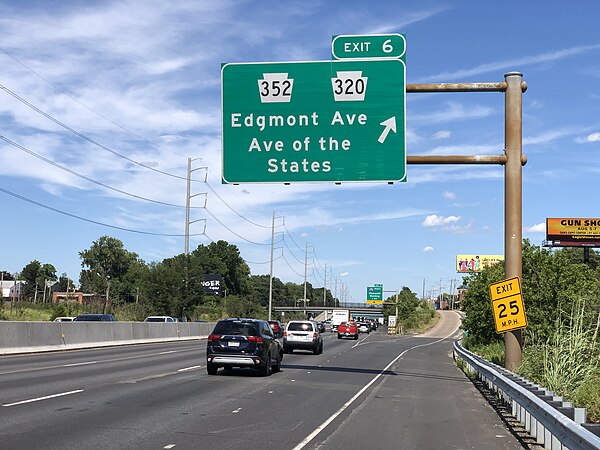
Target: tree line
<point>172,286</point>
<point>554,282</point>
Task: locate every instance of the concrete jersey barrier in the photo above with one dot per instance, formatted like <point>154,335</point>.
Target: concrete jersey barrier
<point>30,337</point>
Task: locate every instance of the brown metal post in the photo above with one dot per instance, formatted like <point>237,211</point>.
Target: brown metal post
<point>513,202</point>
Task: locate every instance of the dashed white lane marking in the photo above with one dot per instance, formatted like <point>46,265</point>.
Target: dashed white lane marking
<point>167,352</point>
<point>169,446</point>
<point>81,364</point>
<point>43,398</point>
<point>185,369</point>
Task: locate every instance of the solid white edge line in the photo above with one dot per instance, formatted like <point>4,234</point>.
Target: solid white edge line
<point>321,427</point>
<point>44,398</point>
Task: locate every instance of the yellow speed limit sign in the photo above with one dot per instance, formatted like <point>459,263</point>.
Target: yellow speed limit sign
<point>507,305</point>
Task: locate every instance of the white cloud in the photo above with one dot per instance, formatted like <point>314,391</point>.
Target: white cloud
<point>344,274</point>
<point>428,249</point>
<point>409,18</point>
<point>594,137</point>
<point>434,220</point>
<point>537,228</point>
<point>452,112</point>
<point>449,195</point>
<point>443,134</point>
<point>499,66</point>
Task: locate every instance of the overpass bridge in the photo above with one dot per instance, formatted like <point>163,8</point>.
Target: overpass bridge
<point>356,309</point>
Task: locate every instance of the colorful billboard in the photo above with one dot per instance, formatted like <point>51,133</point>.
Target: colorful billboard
<point>573,230</point>
<point>476,263</point>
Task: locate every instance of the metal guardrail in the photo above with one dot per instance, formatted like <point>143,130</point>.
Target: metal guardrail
<point>544,416</point>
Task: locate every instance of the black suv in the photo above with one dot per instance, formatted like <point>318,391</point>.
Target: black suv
<point>95,318</point>
<point>243,343</point>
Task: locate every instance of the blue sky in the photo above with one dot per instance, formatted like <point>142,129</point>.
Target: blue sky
<point>141,80</point>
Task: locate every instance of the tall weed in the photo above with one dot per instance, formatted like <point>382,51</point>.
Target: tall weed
<point>567,361</point>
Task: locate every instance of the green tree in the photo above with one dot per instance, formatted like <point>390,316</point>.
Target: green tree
<point>6,276</point>
<point>406,300</point>
<point>29,274</point>
<point>259,291</point>
<point>64,283</point>
<point>479,321</point>
<point>104,264</point>
<point>224,259</point>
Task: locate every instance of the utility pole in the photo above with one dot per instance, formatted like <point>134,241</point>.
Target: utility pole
<point>188,198</point>
<point>305,270</point>
<point>325,285</point>
<point>335,290</point>
<point>271,265</point>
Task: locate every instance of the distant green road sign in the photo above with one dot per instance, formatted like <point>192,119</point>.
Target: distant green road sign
<point>380,46</point>
<point>375,292</point>
<point>317,121</point>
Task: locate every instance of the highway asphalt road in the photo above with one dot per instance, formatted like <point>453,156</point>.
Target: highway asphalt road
<point>381,391</point>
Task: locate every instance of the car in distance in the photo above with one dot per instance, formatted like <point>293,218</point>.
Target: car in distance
<point>302,335</point>
<point>64,319</point>
<point>321,327</point>
<point>276,327</point>
<point>363,327</point>
<point>95,318</point>
<point>160,319</point>
<point>347,329</point>
<point>246,343</point>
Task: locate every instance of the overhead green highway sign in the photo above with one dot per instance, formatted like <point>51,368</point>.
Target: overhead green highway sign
<point>322,121</point>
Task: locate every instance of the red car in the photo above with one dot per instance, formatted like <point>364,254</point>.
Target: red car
<point>348,329</point>
<point>276,327</point>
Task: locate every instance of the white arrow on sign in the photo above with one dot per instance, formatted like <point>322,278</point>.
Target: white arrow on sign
<point>389,124</point>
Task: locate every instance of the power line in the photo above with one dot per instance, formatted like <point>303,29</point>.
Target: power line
<point>289,265</point>
<point>317,259</point>
<point>20,197</point>
<point>286,246</point>
<point>68,94</point>
<point>237,234</point>
<point>77,174</point>
<point>288,231</point>
<point>84,137</point>
<point>266,262</point>
<point>231,208</point>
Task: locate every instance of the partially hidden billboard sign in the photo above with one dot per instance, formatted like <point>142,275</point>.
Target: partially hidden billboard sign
<point>475,263</point>
<point>211,284</point>
<point>573,229</point>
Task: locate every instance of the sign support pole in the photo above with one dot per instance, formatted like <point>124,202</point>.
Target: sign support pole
<point>513,202</point>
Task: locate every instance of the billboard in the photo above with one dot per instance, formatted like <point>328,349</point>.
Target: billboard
<point>475,263</point>
<point>573,230</point>
<point>211,284</point>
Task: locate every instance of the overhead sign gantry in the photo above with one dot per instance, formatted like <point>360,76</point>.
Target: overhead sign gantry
<point>315,121</point>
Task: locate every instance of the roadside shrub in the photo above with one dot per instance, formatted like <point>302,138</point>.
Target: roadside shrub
<point>588,395</point>
<point>493,352</point>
